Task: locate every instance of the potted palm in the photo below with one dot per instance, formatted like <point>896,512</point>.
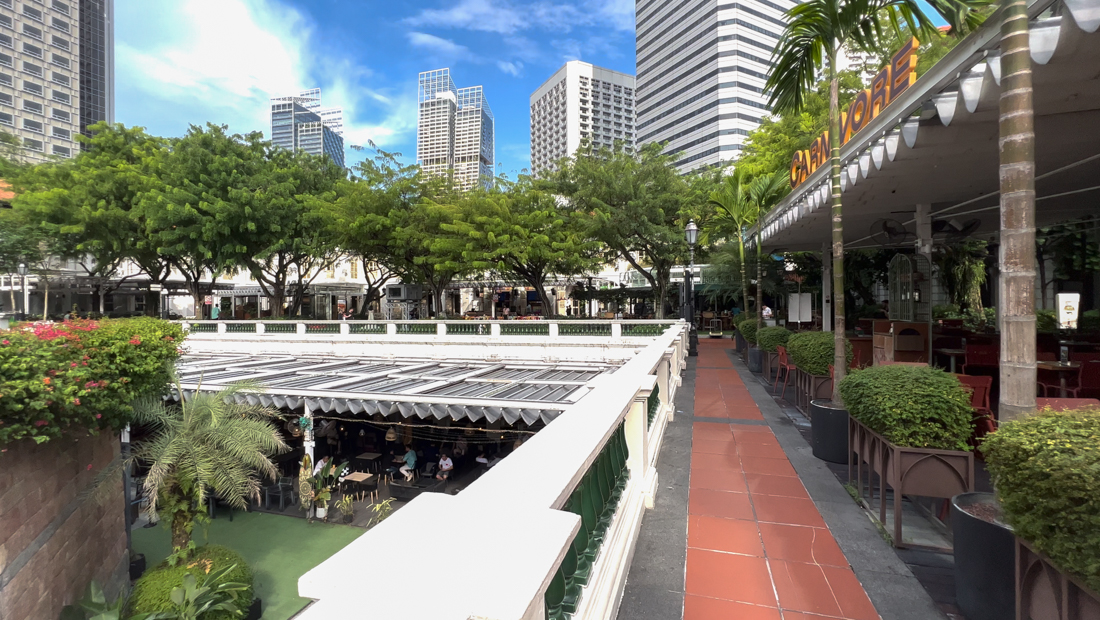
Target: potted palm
<point>346,504</point>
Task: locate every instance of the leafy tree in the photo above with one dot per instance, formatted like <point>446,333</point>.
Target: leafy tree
<point>635,204</point>
<point>517,229</point>
<point>812,41</point>
<point>205,446</point>
<point>20,242</point>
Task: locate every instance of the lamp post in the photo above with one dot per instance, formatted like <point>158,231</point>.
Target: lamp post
<point>22,271</point>
<point>691,233</point>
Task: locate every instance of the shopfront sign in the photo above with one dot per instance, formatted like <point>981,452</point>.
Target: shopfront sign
<point>894,79</point>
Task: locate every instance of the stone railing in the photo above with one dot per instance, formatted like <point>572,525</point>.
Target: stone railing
<point>549,532</point>
<point>614,329</point>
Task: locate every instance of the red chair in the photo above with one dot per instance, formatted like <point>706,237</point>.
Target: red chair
<point>1090,379</point>
<point>983,421</point>
<point>982,355</point>
<point>1083,356</point>
<point>785,367</point>
<point>1051,383</point>
<point>1046,356</point>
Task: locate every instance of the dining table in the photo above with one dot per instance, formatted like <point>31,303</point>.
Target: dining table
<point>369,457</point>
<point>1063,369</point>
<point>953,354</point>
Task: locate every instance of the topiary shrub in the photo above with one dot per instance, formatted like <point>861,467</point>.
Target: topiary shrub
<point>748,331</point>
<point>151,593</point>
<point>771,337</point>
<point>813,352</point>
<point>744,316</point>
<point>1046,470</point>
<point>911,406</point>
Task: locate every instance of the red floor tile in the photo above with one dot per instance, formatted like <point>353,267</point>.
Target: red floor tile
<point>755,434</point>
<point>850,594</point>
<point>702,608</point>
<point>710,430</point>
<point>798,543</point>
<point>725,504</point>
<point>766,450</point>
<point>787,510</point>
<point>712,446</point>
<point>744,413</point>
<point>718,480</point>
<point>723,462</point>
<point>764,465</point>
<point>728,535</point>
<point>803,587</point>
<point>784,486</point>
<point>739,578</point>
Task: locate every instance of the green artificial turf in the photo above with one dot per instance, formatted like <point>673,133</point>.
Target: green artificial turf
<point>280,550</point>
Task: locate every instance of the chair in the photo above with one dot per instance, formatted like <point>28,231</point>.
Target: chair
<point>982,356</point>
<point>1051,381</point>
<point>426,471</point>
<point>983,421</point>
<point>284,489</point>
<point>1090,379</point>
<point>1046,356</point>
<point>1083,356</point>
<point>785,366</point>
<point>712,322</point>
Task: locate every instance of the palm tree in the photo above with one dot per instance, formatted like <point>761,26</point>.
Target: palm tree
<point>815,34</point>
<point>207,444</point>
<point>765,192</point>
<point>736,211</point>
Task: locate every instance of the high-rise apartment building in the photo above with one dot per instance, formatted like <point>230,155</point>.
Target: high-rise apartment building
<point>299,122</point>
<point>702,66</point>
<point>580,102</point>
<point>454,131</point>
<point>56,72</point>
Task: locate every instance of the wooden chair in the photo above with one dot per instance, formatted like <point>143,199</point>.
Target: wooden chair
<point>785,366</point>
<point>983,421</point>
<point>1089,379</point>
<point>982,356</point>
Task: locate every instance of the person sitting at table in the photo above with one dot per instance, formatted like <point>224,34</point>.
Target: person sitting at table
<point>482,457</point>
<point>446,467</point>
<point>321,462</point>
<point>409,461</point>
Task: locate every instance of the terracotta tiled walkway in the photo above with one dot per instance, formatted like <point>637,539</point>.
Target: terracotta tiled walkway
<point>757,547</point>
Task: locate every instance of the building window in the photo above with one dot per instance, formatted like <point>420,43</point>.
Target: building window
<point>354,269</point>
<point>62,115</point>
<point>5,21</point>
<point>62,133</point>
<point>60,7</point>
<point>31,68</point>
<point>6,3</point>
<point>60,61</point>
<point>60,78</point>
<point>60,24</point>
<point>33,50</point>
<point>5,119</point>
<point>30,125</point>
<point>32,145</point>
<point>63,151</point>
<point>31,31</point>
<point>6,99</point>
<point>32,13</point>
<point>5,79</point>
<point>6,61</point>
<point>60,42</point>
<point>31,106</point>
<point>5,40</point>
<point>31,87</point>
<point>61,97</point>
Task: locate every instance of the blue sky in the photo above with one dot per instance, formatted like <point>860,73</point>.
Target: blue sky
<point>192,61</point>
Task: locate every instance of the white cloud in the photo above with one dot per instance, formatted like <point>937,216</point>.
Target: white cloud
<point>439,45</point>
<point>511,68</point>
<point>221,60</point>
<point>507,17</point>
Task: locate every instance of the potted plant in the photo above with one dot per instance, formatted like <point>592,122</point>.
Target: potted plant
<point>748,332</point>
<point>812,353</point>
<point>315,490</point>
<point>910,426</point>
<point>347,508</point>
<point>985,557</point>
<point>767,339</point>
<point>1046,472</point>
<point>739,341</point>
<point>137,565</point>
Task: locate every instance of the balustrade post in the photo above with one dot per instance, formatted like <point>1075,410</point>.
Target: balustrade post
<point>440,329</point>
<point>221,328</point>
<point>345,329</point>
<point>494,329</point>
<point>260,328</point>
<point>391,329</point>
<point>663,380</point>
<point>553,332</point>
<point>300,328</point>
<point>616,331</point>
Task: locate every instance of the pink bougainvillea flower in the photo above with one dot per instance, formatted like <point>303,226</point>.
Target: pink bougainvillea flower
<point>89,467</point>
<point>76,401</point>
<point>73,365</point>
<point>135,340</point>
<point>7,342</point>
<point>40,423</point>
<point>98,416</point>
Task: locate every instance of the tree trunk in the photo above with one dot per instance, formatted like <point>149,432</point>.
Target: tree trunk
<point>759,283</point>
<point>744,279</point>
<point>1017,185</point>
<point>181,536</point>
<point>11,280</point>
<point>45,298</point>
<point>548,310</point>
<point>840,357</point>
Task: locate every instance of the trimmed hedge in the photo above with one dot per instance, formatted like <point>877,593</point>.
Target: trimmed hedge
<point>748,331</point>
<point>771,337</point>
<point>1046,470</point>
<point>911,406</point>
<point>744,316</point>
<point>814,352</point>
<point>151,593</point>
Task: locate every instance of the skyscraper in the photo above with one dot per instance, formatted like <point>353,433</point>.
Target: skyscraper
<point>454,131</point>
<point>56,72</point>
<point>580,102</point>
<point>702,66</point>
<point>299,122</point>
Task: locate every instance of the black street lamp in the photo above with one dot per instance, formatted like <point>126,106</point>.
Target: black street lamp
<point>691,233</point>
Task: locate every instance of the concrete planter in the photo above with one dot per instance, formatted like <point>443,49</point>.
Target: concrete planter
<point>812,387</point>
<point>739,342</point>
<point>756,360</point>
<point>771,364</point>
<point>1043,591</point>
<point>925,472</point>
<point>829,431</point>
<point>984,554</point>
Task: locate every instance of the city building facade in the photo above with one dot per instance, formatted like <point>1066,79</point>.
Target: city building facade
<point>579,103</point>
<point>56,72</point>
<point>299,122</point>
<point>702,66</point>
<point>455,134</point>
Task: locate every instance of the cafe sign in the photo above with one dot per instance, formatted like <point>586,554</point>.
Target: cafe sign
<point>894,79</point>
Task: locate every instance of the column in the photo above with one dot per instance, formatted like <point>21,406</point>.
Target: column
<point>307,442</point>
<point>826,288</point>
<point>924,230</point>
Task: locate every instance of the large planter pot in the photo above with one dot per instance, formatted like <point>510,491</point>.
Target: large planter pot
<point>756,360</point>
<point>1043,591</point>
<point>739,342</point>
<point>137,566</point>
<point>925,472</point>
<point>771,364</point>
<point>320,512</point>
<point>255,610</point>
<point>812,387</point>
<point>829,431</point>
<point>985,553</point>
